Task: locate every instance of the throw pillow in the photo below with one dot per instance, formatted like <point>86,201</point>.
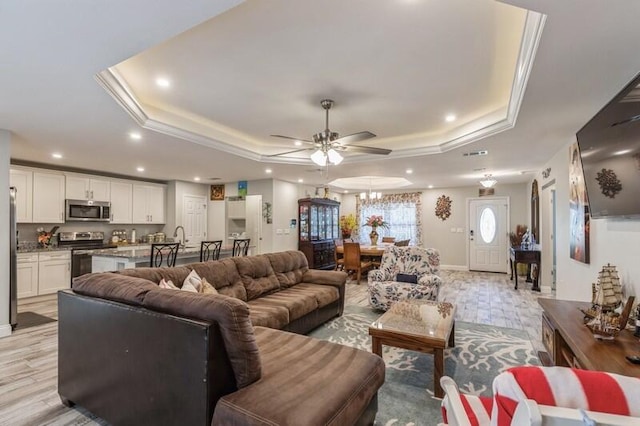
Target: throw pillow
<point>207,288</point>
<point>187,286</point>
<point>194,279</point>
<point>407,278</point>
<point>167,284</point>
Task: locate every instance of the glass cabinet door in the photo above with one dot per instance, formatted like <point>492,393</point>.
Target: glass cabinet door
<point>304,222</point>
<point>336,222</point>
<point>313,221</point>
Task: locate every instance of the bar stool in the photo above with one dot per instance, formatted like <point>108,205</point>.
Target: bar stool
<point>210,250</point>
<point>163,251</point>
<point>241,247</point>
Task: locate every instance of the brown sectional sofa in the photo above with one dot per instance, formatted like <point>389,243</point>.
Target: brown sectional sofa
<point>133,353</point>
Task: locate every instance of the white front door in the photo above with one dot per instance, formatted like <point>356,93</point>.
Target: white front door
<point>194,218</point>
<point>488,228</point>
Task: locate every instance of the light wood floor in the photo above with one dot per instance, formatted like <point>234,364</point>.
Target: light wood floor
<point>28,358</point>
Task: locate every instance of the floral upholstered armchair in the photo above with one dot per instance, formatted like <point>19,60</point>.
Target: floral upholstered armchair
<point>405,273</point>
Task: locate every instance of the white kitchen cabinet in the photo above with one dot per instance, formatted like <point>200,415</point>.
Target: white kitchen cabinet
<point>54,271</point>
<point>121,202</point>
<point>48,197</point>
<point>27,275</point>
<point>236,209</point>
<point>80,187</point>
<point>148,203</point>
<point>22,180</point>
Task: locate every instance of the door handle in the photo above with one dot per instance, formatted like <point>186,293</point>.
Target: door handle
<point>471,234</point>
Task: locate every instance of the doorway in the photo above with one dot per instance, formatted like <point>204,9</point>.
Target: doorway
<point>548,237</point>
<point>488,229</point>
<point>194,218</point>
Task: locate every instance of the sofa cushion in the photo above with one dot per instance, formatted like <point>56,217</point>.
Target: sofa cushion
<point>304,381</point>
<point>232,316</point>
<point>257,275</point>
<point>176,274</point>
<point>298,303</point>
<point>268,315</point>
<point>223,275</point>
<point>107,285</point>
<point>324,294</point>
<point>289,266</point>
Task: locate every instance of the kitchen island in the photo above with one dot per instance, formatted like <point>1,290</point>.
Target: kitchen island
<point>118,259</point>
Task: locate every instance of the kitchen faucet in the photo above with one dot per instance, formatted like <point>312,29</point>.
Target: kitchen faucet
<point>183,241</point>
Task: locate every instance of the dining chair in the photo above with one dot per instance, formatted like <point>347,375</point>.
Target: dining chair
<point>402,243</point>
<point>163,253</point>
<point>339,257</point>
<point>210,250</point>
<point>388,239</point>
<point>353,260</point>
<point>241,247</point>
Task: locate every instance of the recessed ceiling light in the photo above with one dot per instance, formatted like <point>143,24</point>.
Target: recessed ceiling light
<point>346,191</point>
<point>163,82</point>
<point>197,179</point>
<point>430,186</point>
<point>268,171</point>
<point>135,136</point>
<point>300,180</point>
<point>409,171</point>
<point>140,169</point>
<point>297,143</point>
<point>56,155</point>
<point>449,118</point>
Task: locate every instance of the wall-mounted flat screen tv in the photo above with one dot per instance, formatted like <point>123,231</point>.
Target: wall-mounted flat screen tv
<point>610,152</point>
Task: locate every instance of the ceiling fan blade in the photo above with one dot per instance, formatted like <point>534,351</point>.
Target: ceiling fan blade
<point>365,149</point>
<point>356,137</point>
<point>289,152</point>
<point>293,139</point>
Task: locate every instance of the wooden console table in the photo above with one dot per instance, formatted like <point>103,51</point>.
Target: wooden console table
<point>528,256</point>
<point>571,344</point>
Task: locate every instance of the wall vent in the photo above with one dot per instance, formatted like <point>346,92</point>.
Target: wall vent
<point>476,153</point>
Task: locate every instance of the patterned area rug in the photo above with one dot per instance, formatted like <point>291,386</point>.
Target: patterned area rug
<point>406,398</point>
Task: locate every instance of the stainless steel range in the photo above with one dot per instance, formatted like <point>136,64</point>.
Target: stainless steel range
<point>82,245</point>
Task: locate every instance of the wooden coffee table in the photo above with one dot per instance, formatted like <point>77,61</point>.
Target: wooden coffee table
<point>417,325</point>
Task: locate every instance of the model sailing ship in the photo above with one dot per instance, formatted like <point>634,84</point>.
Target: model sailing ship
<point>601,318</point>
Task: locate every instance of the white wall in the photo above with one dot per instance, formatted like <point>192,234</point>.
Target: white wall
<point>284,210</point>
<point>5,154</point>
<point>615,241</point>
<point>437,233</point>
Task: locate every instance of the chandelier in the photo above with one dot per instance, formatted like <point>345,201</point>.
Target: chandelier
<point>488,181</point>
<point>370,195</point>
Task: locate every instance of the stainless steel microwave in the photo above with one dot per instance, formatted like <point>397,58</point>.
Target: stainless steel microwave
<point>87,211</point>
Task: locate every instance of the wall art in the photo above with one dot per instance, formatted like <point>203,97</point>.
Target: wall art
<point>217,192</point>
<point>579,218</point>
<point>443,207</point>
<point>609,183</point>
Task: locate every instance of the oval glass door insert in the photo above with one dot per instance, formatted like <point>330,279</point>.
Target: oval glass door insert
<point>487,225</point>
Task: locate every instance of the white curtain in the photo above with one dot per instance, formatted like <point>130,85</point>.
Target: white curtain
<point>401,211</point>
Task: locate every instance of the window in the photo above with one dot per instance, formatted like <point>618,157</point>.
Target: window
<point>401,211</point>
<point>487,225</point>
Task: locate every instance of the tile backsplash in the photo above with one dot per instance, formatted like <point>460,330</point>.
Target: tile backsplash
<point>28,234</point>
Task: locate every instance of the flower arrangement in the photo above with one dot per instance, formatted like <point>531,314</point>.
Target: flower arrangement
<point>348,223</point>
<point>376,222</point>
<point>44,237</point>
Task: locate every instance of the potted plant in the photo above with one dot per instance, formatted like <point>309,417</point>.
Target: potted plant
<point>347,224</point>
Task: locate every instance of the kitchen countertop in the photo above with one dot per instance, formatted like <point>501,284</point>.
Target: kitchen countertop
<point>41,249</point>
<point>143,254</point>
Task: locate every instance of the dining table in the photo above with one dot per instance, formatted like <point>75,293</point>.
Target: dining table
<point>368,250</point>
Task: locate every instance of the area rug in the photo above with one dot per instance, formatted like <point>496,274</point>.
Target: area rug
<point>407,398</point>
<point>31,319</point>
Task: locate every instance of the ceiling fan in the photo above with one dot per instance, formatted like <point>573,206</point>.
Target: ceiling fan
<point>328,144</point>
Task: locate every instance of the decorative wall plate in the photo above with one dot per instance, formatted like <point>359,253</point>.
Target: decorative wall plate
<point>443,207</point>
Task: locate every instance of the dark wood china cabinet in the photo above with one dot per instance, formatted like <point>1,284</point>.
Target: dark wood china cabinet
<point>318,220</point>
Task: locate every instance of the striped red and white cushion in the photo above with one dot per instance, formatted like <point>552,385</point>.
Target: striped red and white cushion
<point>477,409</point>
<point>564,387</point>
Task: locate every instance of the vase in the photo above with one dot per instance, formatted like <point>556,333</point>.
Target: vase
<point>374,236</point>
<point>346,235</point>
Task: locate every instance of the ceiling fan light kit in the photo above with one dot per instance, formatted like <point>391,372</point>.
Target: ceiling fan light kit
<point>326,144</point>
<point>488,181</point>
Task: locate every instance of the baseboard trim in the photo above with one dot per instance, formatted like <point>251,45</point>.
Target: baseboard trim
<point>5,330</point>
<point>455,267</point>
